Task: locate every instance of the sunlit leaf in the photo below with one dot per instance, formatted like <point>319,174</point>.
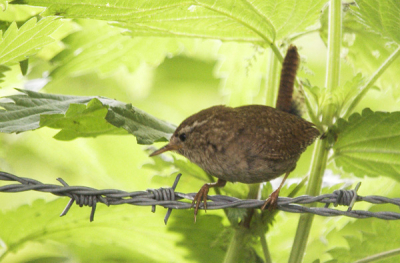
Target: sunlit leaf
<point>374,237</point>
<point>366,49</point>
<point>130,231</point>
<point>17,44</point>
<point>369,144</point>
<point>102,48</point>
<point>381,16</point>
<point>252,21</point>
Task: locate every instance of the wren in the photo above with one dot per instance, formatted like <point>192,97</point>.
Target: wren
<point>247,144</point>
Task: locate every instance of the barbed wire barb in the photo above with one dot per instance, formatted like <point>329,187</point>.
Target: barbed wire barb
<point>170,199</point>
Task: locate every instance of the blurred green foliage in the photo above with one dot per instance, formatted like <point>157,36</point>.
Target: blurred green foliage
<point>172,67</point>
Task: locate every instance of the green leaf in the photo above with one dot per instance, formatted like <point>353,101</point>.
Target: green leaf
<point>79,117</point>
<point>18,13</point>
<point>102,48</point>
<point>3,69</point>
<point>366,49</point>
<point>374,237</point>
<point>241,67</point>
<point>250,21</point>
<point>145,127</point>
<point>81,121</point>
<point>200,238</point>
<point>342,96</point>
<point>4,5</point>
<point>129,230</point>
<point>380,16</point>
<point>369,144</point>
<point>18,44</point>
<point>24,64</point>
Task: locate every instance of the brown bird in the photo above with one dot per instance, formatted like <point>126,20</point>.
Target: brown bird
<point>248,144</point>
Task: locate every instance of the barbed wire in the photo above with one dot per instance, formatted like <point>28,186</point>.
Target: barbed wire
<point>168,198</point>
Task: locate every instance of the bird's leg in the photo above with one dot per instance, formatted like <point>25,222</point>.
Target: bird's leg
<point>272,200</point>
<point>202,195</point>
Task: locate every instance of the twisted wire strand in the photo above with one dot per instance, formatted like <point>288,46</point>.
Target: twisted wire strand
<point>168,198</point>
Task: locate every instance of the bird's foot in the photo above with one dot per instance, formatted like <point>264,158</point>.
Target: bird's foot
<point>272,201</point>
<point>198,198</point>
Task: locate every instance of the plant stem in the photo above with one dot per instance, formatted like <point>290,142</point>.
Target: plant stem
<point>265,249</point>
<point>238,241</point>
<point>276,51</point>
<point>242,233</point>
<point>314,186</point>
<point>271,85</point>
<point>372,81</point>
<point>320,154</point>
<point>379,256</point>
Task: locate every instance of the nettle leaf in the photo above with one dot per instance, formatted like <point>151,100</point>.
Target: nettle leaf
<point>39,224</point>
<point>366,49</point>
<point>144,126</point>
<point>18,44</point>
<point>3,69</point>
<point>250,21</point>
<point>373,237</point>
<point>369,144</point>
<point>381,16</point>
<point>79,117</point>
<point>341,97</point>
<point>81,120</point>
<point>103,47</point>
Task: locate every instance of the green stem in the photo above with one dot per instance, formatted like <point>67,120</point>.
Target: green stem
<point>379,256</point>
<point>239,240</point>
<point>276,51</point>
<point>320,154</point>
<point>372,81</point>
<point>271,85</point>
<point>311,114</point>
<point>242,233</point>
<point>313,189</point>
<point>265,249</point>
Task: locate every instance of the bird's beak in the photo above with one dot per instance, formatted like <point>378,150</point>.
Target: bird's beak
<point>166,148</point>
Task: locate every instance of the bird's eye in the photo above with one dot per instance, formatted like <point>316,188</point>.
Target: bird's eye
<point>182,137</point>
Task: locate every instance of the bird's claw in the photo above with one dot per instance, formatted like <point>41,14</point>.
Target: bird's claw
<point>201,196</point>
<point>272,201</point>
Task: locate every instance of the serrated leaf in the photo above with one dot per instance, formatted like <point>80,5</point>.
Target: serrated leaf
<point>24,64</point>
<point>145,127</point>
<point>81,120</point>
<point>130,230</point>
<point>98,46</point>
<point>369,144</point>
<point>241,67</point>
<point>79,117</point>
<point>381,16</point>
<point>18,44</point>
<point>203,235</point>
<point>251,21</point>
<point>367,49</point>
<point>18,13</point>
<point>343,95</point>
<point>383,238</point>
<point>3,69</point>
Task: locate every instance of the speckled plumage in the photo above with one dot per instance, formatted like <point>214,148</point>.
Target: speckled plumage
<point>248,144</point>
